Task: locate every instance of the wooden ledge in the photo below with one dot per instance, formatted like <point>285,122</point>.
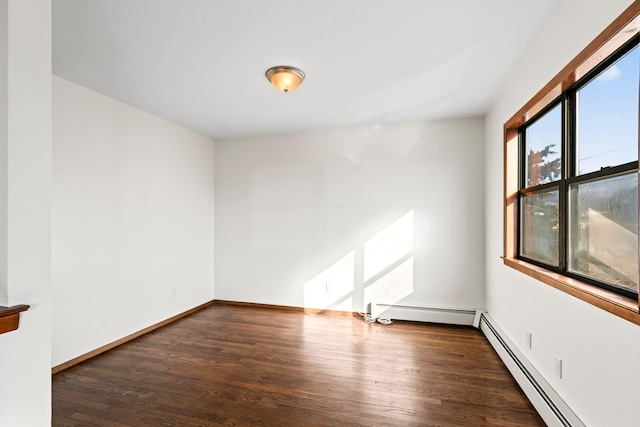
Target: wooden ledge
<point>615,304</point>
<point>10,317</point>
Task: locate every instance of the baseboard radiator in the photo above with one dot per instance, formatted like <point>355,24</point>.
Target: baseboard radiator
<point>452,316</point>
<point>553,410</point>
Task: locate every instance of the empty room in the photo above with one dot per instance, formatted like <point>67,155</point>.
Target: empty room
<point>306,213</point>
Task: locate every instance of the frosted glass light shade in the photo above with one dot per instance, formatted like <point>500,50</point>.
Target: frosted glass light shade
<point>285,79</point>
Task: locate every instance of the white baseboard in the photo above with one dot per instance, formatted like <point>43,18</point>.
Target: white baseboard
<point>553,410</point>
<point>425,314</point>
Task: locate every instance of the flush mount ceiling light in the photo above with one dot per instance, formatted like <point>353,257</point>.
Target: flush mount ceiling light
<point>285,79</point>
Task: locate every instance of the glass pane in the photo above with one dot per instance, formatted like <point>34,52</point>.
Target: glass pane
<point>608,116</point>
<point>539,226</point>
<point>604,230</point>
<point>543,140</point>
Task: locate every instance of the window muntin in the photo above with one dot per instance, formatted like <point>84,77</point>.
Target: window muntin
<point>579,159</point>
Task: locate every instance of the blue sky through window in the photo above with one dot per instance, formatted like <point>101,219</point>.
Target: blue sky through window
<point>608,116</point>
<point>607,119</point>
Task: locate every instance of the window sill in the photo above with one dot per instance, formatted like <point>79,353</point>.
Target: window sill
<point>615,304</point>
<point>10,317</point>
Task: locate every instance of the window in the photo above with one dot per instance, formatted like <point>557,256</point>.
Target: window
<point>571,175</point>
<point>578,212</point>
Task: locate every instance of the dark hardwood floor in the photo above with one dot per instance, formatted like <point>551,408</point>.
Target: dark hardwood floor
<point>252,366</point>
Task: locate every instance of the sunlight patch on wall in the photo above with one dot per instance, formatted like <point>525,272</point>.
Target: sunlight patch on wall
<point>388,246</point>
<point>387,268</point>
<point>393,286</point>
<point>388,262</point>
<point>333,287</point>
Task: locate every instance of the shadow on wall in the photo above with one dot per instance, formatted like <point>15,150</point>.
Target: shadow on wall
<point>387,271</point>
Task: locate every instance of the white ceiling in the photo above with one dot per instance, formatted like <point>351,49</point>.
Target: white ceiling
<point>201,63</point>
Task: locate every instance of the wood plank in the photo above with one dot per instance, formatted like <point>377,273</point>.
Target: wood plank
<point>259,366</point>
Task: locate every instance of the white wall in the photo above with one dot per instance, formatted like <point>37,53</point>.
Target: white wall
<point>600,352</point>
<point>132,219</point>
<point>25,210</point>
<point>384,213</point>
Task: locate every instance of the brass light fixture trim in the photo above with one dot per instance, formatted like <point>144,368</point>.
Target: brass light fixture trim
<point>285,78</point>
